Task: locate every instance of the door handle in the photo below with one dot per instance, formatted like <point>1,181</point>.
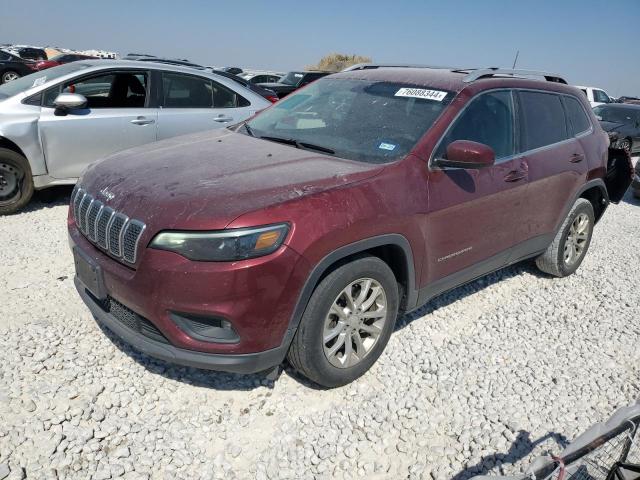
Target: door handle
<point>143,121</point>
<point>576,158</point>
<point>514,176</point>
<point>223,119</point>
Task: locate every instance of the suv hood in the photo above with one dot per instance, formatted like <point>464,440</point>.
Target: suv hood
<point>206,180</point>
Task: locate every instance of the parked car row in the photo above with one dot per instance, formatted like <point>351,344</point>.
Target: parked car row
<point>13,67</point>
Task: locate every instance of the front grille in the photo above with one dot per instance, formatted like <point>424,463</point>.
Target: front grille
<point>133,321</point>
<point>109,230</point>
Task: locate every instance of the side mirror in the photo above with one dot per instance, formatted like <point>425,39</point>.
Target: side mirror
<point>467,154</point>
<point>69,101</point>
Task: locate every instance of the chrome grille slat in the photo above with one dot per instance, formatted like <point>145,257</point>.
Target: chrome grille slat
<point>92,216</point>
<point>130,239</point>
<point>101,227</point>
<point>82,213</point>
<point>109,230</point>
<point>76,201</point>
<point>118,221</point>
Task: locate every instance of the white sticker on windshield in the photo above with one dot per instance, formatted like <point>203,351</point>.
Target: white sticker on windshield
<point>435,95</point>
<point>386,146</point>
<point>39,81</point>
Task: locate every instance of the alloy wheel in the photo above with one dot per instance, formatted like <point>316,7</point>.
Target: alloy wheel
<point>10,76</point>
<point>577,239</point>
<point>625,145</point>
<point>355,322</point>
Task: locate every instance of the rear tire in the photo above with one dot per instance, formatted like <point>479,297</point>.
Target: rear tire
<point>9,76</point>
<point>362,338</point>
<point>570,245</point>
<point>16,182</point>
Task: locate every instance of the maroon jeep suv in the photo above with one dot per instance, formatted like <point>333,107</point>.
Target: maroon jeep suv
<point>304,232</point>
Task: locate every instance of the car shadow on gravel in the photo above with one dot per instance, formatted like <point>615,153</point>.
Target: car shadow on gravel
<point>188,375</point>
<point>458,293</point>
<point>519,449</point>
<point>48,198</point>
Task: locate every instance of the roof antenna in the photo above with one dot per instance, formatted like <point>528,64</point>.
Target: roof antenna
<point>515,60</point>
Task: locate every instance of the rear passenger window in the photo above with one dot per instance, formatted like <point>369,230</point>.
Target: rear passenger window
<point>186,91</point>
<point>489,120</point>
<point>578,120</point>
<point>542,120</point>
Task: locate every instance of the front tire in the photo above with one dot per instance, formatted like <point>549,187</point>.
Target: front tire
<point>16,182</point>
<point>347,323</point>
<point>570,245</point>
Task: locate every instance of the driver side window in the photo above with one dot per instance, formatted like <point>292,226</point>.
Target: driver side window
<point>112,90</point>
<point>488,119</point>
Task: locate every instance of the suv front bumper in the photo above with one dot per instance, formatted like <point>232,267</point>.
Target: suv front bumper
<point>237,363</point>
<point>256,296</point>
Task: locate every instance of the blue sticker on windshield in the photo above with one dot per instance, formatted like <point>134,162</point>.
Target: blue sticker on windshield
<point>387,146</point>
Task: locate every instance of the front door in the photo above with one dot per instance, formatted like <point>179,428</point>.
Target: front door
<point>116,117</point>
<point>475,214</point>
<point>191,103</point>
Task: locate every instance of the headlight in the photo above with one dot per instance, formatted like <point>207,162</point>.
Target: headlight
<point>223,245</point>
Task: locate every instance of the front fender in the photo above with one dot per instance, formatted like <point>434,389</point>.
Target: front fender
<point>19,126</point>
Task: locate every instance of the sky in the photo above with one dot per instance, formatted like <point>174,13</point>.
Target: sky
<point>590,42</point>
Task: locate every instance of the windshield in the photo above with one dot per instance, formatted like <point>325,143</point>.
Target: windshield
<point>368,121</point>
<point>292,78</point>
<point>38,78</point>
<point>617,115</point>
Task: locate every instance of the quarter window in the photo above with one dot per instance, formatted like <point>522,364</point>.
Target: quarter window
<point>489,120</point>
<point>578,120</point>
<point>542,119</point>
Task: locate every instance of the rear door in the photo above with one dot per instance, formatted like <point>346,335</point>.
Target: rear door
<point>556,158</point>
<point>118,116</point>
<point>190,103</point>
<point>476,214</point>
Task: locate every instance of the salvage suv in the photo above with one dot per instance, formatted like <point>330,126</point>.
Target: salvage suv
<point>304,232</point>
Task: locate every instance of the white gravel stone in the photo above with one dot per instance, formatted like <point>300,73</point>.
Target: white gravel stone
<point>465,385</point>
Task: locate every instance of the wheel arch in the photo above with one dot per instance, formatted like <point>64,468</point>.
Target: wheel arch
<point>393,249</point>
<point>9,145</point>
<point>598,196</point>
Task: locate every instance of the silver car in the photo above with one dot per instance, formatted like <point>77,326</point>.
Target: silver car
<point>55,122</point>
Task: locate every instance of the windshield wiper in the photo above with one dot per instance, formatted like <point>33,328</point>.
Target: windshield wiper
<point>298,144</point>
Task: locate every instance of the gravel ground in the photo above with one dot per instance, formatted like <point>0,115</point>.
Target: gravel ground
<point>483,379</point>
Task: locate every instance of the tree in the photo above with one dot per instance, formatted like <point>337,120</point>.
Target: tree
<point>334,62</point>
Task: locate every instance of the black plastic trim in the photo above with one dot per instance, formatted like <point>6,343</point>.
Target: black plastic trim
<point>527,249</point>
<point>596,182</point>
<point>344,252</point>
<point>237,363</point>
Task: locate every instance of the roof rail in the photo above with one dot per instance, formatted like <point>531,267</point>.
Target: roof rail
<point>368,66</point>
<point>494,72</point>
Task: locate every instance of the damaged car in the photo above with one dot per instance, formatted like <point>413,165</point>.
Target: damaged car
<point>306,231</point>
<point>55,122</point>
